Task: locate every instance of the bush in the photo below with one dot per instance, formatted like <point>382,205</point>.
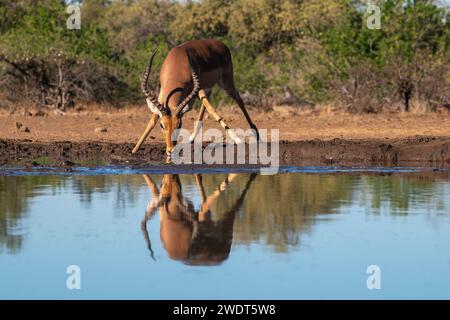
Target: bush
<point>321,50</point>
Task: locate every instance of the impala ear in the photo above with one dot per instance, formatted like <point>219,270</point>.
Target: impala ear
<point>153,108</point>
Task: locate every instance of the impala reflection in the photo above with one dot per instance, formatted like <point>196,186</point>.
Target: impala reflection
<point>193,237</point>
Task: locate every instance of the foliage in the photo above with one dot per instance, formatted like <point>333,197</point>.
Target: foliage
<point>321,50</point>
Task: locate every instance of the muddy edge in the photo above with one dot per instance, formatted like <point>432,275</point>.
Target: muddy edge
<point>414,151</point>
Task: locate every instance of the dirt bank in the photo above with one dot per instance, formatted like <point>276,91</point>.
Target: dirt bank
<point>107,136</point>
<point>419,151</point>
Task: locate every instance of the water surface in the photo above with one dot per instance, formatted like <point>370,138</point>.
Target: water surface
<point>294,235</point>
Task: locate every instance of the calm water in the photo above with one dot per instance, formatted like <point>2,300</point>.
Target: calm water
<point>288,236</point>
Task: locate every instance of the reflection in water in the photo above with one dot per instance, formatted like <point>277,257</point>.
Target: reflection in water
<point>200,237</point>
<point>268,237</point>
<point>15,195</point>
<point>275,211</point>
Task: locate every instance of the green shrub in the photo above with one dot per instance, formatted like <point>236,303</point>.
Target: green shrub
<point>321,50</point>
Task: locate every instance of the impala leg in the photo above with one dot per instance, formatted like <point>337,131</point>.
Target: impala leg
<point>199,182</point>
<point>150,126</point>
<point>208,201</point>
<point>151,185</point>
<point>204,99</point>
<point>198,123</point>
<point>234,94</point>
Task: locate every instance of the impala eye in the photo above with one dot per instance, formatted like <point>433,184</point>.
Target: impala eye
<point>161,125</point>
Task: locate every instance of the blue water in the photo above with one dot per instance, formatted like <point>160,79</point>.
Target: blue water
<point>301,234</point>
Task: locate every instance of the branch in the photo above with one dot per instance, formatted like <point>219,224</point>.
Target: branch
<point>15,66</point>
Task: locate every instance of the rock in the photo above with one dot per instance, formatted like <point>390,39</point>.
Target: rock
<point>99,130</point>
<point>21,127</point>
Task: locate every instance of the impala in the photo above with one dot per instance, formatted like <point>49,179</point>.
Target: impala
<point>202,237</point>
<point>190,70</point>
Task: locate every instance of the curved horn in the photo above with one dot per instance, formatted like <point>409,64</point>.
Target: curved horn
<point>183,107</point>
<point>152,102</point>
